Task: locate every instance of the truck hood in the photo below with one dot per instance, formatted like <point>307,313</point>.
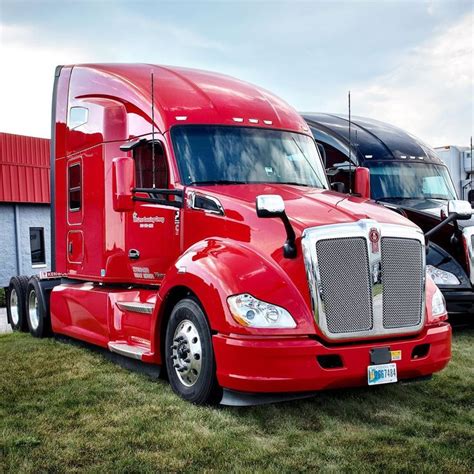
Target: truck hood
<point>305,206</point>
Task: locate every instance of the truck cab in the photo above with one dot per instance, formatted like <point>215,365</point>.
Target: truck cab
<point>408,176</point>
<point>195,229</point>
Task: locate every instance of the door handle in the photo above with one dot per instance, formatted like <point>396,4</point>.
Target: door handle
<point>70,248</point>
<point>133,254</point>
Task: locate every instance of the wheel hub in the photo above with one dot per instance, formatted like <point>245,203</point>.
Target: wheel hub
<point>15,313</point>
<point>186,353</point>
<point>33,310</point>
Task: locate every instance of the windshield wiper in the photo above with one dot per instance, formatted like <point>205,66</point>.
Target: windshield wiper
<point>293,183</point>
<point>216,181</point>
<point>398,198</point>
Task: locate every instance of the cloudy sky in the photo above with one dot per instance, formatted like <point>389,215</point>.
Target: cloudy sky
<point>406,62</point>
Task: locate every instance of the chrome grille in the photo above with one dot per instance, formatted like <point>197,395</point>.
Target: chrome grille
<point>402,279</point>
<point>366,279</point>
<point>345,284</point>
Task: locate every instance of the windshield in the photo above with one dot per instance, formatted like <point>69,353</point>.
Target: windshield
<point>234,155</point>
<point>410,181</point>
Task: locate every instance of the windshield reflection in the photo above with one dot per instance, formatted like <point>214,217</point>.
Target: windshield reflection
<point>236,155</point>
<point>410,181</point>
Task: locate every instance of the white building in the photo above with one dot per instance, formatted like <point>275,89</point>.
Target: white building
<point>460,162</point>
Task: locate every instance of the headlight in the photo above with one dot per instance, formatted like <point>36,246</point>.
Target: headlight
<point>251,312</point>
<point>438,305</point>
<point>442,277</point>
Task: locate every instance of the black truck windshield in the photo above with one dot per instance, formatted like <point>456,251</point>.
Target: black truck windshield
<point>408,180</point>
<point>238,155</point>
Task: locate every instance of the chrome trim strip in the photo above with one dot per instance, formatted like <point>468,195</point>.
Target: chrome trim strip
<point>468,235</point>
<point>361,229</point>
<point>136,307</point>
<point>192,203</point>
<point>126,350</point>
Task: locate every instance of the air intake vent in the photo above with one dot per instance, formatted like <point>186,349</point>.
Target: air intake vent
<point>345,281</point>
<point>402,278</point>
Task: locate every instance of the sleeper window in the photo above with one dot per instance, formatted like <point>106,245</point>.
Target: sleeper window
<point>75,182</point>
<point>78,116</point>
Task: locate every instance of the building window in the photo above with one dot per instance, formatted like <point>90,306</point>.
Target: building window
<point>74,180</point>
<point>38,254</point>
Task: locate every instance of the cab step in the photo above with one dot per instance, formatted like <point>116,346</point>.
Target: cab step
<point>127,350</point>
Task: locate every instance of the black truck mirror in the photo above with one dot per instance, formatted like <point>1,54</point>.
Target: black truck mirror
<point>461,209</point>
<point>457,210</point>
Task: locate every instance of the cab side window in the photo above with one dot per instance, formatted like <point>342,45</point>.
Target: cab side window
<point>147,173</point>
<point>75,186</point>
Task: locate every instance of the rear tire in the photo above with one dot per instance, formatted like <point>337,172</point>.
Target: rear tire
<point>16,298</point>
<point>189,354</point>
<point>37,309</point>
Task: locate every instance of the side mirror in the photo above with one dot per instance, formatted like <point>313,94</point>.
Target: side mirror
<point>272,205</point>
<point>457,210</point>
<point>123,176</point>
<point>461,209</point>
<point>339,187</point>
<point>470,197</point>
<point>362,182</point>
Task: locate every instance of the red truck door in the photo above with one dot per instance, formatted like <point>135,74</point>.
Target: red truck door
<point>153,230</point>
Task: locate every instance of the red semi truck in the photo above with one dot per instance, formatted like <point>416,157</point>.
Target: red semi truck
<point>194,229</point>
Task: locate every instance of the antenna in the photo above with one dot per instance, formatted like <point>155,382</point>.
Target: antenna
<point>471,165</point>
<point>350,143</point>
<point>153,128</point>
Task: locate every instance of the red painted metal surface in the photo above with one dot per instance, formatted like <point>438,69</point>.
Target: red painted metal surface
<point>24,169</point>
<point>212,256</point>
<point>290,365</point>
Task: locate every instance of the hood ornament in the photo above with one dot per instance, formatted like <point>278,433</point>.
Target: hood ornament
<point>374,237</point>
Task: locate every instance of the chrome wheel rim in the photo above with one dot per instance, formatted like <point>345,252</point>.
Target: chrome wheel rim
<point>14,311</point>
<point>33,310</point>
<point>186,353</point>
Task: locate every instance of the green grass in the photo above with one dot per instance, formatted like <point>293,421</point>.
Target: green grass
<point>66,408</point>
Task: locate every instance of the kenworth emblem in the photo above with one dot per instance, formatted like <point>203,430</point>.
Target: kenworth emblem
<point>374,237</point>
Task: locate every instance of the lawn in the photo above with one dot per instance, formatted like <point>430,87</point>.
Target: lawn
<point>67,408</point>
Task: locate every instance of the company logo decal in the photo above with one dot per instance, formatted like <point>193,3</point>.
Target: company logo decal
<point>147,222</point>
<point>177,218</point>
<point>374,237</point>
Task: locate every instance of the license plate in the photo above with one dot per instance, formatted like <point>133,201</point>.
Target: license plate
<point>380,374</point>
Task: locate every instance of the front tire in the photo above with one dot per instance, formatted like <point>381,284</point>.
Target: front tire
<point>37,309</point>
<point>189,354</point>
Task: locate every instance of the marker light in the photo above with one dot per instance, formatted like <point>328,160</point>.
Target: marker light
<point>442,277</point>
<point>251,312</point>
<point>438,305</point>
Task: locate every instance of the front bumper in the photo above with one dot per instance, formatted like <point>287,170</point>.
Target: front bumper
<point>250,364</point>
<point>459,301</point>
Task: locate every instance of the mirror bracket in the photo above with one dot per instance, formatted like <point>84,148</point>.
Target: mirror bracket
<point>457,210</point>
<point>272,205</point>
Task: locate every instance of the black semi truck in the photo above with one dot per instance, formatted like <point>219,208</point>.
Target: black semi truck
<point>408,176</point>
